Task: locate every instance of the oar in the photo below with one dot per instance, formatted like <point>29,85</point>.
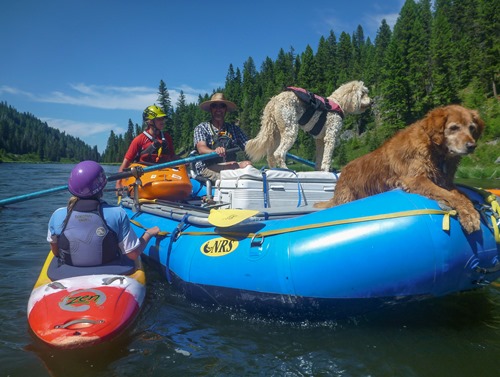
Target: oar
<point>304,161</point>
<point>116,177</point>
<point>300,159</point>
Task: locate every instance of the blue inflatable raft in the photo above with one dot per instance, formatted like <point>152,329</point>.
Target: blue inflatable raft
<point>389,248</point>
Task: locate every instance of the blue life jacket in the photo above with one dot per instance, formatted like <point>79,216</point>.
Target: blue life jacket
<point>86,239</point>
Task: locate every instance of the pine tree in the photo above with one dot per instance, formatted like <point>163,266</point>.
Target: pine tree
<point>308,71</point>
<point>284,69</point>
<point>358,52</point>
<point>398,95</point>
<point>344,58</point>
<point>382,41</point>
<point>246,114</point>
<point>488,59</point>
<point>326,60</point>
<point>445,81</point>
<point>166,105</point>
<point>232,90</point>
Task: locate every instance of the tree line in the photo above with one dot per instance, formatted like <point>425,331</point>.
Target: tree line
<point>25,137</point>
<point>434,56</point>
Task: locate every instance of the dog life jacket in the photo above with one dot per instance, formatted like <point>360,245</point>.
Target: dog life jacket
<point>86,239</point>
<point>315,103</point>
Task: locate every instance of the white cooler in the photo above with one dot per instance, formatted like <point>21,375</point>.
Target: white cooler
<point>273,188</point>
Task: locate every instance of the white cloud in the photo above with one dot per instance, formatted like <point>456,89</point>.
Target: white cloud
<point>82,129</point>
<point>103,97</point>
<point>135,98</point>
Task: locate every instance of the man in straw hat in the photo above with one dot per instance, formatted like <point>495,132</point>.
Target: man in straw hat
<point>218,136</point>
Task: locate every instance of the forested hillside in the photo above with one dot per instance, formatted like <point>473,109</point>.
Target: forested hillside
<point>23,137</point>
<point>432,57</point>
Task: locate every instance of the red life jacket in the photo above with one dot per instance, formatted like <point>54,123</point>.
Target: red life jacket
<point>156,152</point>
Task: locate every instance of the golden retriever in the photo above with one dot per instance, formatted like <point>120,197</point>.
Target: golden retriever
<point>420,159</point>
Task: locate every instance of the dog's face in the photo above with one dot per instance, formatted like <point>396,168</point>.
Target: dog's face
<point>364,99</point>
<point>353,97</point>
<point>455,128</point>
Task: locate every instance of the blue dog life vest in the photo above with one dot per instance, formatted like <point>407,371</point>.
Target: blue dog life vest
<point>86,239</point>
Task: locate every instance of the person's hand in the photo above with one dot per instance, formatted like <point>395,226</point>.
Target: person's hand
<point>153,231</point>
<point>221,151</point>
<point>119,187</point>
<point>244,164</point>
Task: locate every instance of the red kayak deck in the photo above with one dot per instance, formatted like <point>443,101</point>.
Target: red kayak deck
<point>81,311</point>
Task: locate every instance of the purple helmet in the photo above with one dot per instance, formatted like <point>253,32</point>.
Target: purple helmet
<point>87,179</point>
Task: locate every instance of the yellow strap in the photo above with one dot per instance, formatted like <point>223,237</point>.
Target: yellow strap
<point>492,200</point>
<point>496,232</point>
<point>495,207</point>
<point>446,220</point>
<point>326,224</point>
<point>147,201</point>
<point>355,220</point>
<point>445,223</point>
<point>159,154</point>
<point>136,223</point>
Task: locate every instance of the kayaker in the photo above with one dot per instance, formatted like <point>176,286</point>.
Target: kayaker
<point>217,135</point>
<point>153,145</point>
<point>89,232</point>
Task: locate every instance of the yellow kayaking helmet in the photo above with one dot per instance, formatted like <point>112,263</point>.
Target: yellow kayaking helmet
<point>152,112</point>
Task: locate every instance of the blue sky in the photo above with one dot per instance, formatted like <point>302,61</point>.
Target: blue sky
<point>88,66</point>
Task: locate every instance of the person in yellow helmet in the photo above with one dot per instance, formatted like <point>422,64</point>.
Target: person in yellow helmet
<point>153,145</point>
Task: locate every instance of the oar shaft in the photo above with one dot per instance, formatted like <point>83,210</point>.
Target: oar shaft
<point>187,160</point>
<point>300,159</point>
<point>115,177</point>
<point>33,195</point>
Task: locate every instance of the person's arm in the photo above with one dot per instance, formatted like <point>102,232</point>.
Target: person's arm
<point>125,164</point>
<point>129,158</point>
<point>204,149</point>
<point>54,247</point>
<point>145,238</point>
<point>51,232</point>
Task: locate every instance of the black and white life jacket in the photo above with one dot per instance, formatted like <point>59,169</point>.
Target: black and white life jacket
<point>315,103</point>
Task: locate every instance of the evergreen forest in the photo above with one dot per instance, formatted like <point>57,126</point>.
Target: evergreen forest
<point>23,137</point>
<point>436,54</point>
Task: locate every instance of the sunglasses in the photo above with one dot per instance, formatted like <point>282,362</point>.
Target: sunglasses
<point>218,106</point>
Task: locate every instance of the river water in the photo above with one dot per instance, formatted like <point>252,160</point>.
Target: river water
<point>453,336</point>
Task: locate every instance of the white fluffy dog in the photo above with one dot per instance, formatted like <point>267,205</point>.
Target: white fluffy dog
<point>280,125</point>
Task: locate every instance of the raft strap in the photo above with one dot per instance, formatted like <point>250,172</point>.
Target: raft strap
<point>265,188</point>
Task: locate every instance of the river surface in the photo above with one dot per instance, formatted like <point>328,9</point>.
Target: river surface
<point>454,336</point>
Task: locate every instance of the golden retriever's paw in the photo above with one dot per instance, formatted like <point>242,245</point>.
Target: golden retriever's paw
<point>470,221</point>
<point>327,204</point>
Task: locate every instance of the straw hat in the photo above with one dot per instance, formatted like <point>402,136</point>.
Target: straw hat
<point>218,98</point>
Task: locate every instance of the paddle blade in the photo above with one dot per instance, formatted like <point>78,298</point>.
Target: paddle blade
<point>224,218</point>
